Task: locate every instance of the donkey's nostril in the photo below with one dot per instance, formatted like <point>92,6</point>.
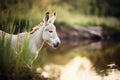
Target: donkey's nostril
<point>56,44</point>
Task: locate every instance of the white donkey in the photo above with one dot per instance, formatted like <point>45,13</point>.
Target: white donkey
<point>44,33</point>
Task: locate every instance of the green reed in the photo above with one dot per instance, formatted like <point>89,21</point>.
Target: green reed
<point>14,60</point>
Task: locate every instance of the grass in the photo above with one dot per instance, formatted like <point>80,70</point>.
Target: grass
<point>14,62</point>
<point>5,55</point>
<point>87,21</point>
<point>9,56</point>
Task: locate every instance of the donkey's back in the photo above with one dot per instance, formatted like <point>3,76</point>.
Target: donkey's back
<point>14,38</point>
<point>4,34</point>
<point>1,33</point>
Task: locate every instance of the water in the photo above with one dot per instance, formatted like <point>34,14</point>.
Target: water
<point>83,60</point>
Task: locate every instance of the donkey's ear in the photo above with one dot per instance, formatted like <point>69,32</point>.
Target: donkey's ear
<point>46,18</point>
<point>52,19</point>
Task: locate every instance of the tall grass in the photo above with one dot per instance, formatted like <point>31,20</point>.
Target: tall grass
<point>7,50</point>
<point>6,57</point>
<point>14,60</point>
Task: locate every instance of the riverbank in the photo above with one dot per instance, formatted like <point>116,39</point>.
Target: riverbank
<point>77,32</point>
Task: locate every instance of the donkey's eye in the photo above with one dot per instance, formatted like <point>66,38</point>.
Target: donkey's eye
<point>50,31</point>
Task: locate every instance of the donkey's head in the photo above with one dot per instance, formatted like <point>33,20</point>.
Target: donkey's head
<point>49,33</point>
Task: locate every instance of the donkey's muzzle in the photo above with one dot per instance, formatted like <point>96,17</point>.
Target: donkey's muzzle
<point>56,44</point>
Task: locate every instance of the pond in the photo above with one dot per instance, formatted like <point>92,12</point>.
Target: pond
<point>83,60</point>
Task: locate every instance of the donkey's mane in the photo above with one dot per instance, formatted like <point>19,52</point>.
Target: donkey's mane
<point>36,27</point>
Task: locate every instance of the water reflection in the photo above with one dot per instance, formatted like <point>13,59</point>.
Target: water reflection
<point>83,61</point>
<point>77,69</point>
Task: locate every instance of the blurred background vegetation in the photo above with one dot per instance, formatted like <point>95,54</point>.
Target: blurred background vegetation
<point>106,8</point>
<point>70,12</point>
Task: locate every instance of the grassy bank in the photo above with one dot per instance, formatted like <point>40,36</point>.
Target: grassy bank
<point>14,62</point>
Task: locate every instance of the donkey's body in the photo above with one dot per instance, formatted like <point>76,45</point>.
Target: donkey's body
<point>46,33</point>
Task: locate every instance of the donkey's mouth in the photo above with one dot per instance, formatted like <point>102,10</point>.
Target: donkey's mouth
<point>56,44</point>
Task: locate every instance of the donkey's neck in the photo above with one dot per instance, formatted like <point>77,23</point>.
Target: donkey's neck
<point>37,37</point>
